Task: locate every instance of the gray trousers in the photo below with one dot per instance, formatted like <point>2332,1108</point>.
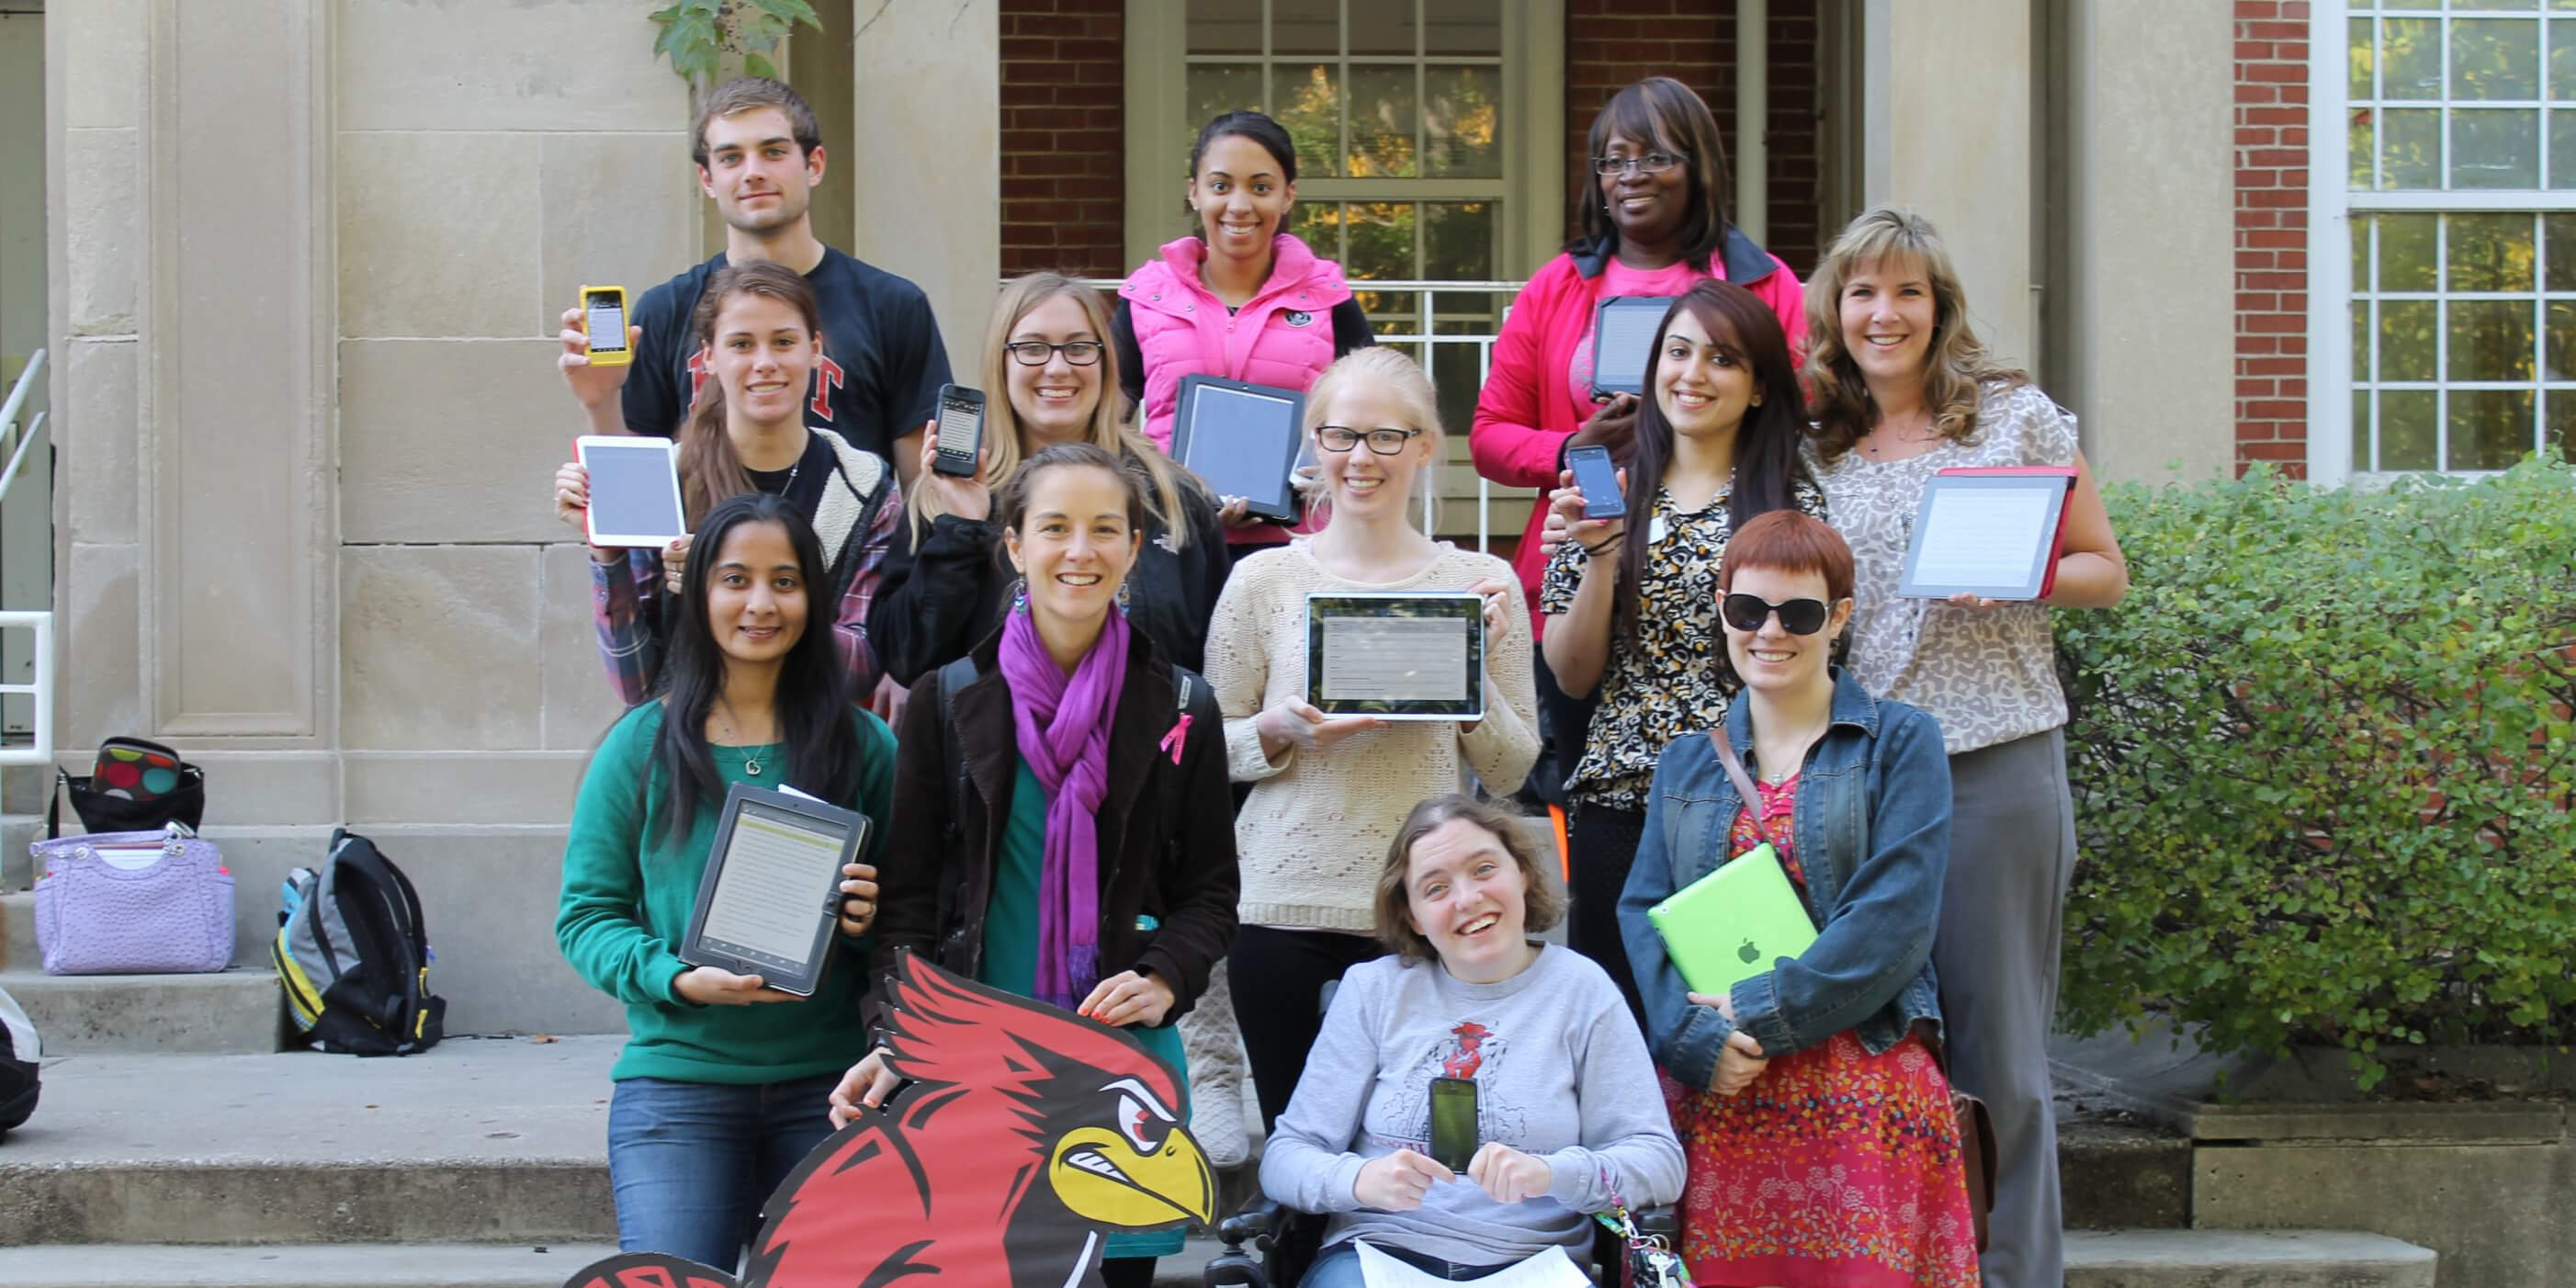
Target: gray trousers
<point>2012,852</point>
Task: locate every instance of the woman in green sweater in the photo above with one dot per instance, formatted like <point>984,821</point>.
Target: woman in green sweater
<point>720,1091</point>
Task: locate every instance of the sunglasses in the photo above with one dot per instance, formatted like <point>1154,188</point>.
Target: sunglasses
<point>1798,616</point>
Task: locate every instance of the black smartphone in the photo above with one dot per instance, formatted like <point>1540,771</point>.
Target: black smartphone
<point>1599,480</point>
<point>961,430</point>
<point>1453,1122</point>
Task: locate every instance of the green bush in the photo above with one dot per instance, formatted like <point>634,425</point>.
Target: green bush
<point>2323,766</point>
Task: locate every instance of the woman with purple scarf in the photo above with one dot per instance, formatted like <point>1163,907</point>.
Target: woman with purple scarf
<point>1070,877</point>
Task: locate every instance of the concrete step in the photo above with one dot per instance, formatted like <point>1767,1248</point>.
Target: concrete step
<point>2122,1176</point>
<point>2243,1259</point>
<point>18,949</point>
<point>17,832</point>
<point>451,1265</point>
<point>226,1012</point>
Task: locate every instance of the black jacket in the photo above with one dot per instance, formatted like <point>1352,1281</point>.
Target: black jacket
<point>934,602</point>
<point>1179,871</point>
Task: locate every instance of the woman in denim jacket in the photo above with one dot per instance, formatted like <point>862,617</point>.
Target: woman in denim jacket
<point>1811,1106</point>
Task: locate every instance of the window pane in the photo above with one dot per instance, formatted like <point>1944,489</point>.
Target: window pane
<point>2410,148</point>
<point>1382,121</point>
<point>1381,240</point>
<point>2490,340</point>
<point>2490,428</point>
<point>2501,6</point>
<point>2562,423</point>
<point>1308,101</point>
<point>2560,337</point>
<point>2360,151</point>
<point>2410,4</point>
<point>1462,122</point>
<point>2361,353</point>
<point>2562,149</point>
<point>2495,59</point>
<point>2491,252</point>
<point>2358,55</point>
<point>1319,225</point>
<point>2361,226</point>
<point>2495,148</point>
<point>1462,26</point>
<point>2562,59</point>
<point>1306,26</point>
<point>1382,27</point>
<point>2406,431</point>
<point>1225,26</point>
<point>1458,241</point>
<point>2361,429</point>
<point>2410,58</point>
<point>2406,258</point>
<point>2406,346</point>
<point>1214,89</point>
<point>2562,251</point>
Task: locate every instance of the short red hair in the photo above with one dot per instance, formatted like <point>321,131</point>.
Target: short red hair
<point>1792,542</point>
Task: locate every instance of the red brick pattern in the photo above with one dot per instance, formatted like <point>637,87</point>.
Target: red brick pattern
<point>1610,44</point>
<point>2272,234</point>
<point>1064,184</point>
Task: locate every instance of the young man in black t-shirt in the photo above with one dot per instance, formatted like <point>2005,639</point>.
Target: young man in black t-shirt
<point>759,154</point>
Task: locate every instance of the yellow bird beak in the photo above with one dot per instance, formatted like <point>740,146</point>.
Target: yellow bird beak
<point>1098,1174</point>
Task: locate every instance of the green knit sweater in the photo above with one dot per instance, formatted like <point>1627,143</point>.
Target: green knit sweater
<point>626,903</point>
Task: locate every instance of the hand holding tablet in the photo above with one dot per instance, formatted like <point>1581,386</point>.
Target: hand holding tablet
<point>776,891</point>
<point>1985,535</point>
<point>631,490</point>
<point>1397,655</point>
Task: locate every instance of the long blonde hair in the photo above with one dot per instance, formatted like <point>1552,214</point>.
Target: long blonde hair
<point>1002,424</point>
<point>1955,370</point>
<point>1404,380</point>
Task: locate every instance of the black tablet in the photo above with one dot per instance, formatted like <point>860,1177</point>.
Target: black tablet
<point>1623,338</point>
<point>770,902</point>
<point>1242,440</point>
<point>1396,655</point>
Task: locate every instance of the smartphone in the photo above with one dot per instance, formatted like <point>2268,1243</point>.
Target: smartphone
<point>961,430</point>
<point>1599,480</point>
<point>603,319</point>
<point>1453,1122</point>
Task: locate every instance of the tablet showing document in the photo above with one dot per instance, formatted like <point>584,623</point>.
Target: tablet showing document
<point>1623,339</point>
<point>1994,533</point>
<point>1242,439</point>
<point>1396,655</point>
<point>770,902</point>
<point>634,489</point>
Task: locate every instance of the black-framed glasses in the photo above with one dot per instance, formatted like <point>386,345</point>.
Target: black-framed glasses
<point>1651,163</point>
<point>1384,442</point>
<point>1798,616</point>
<point>1034,353</point>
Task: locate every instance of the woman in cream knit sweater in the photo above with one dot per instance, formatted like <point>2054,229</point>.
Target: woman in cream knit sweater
<point>1329,794</point>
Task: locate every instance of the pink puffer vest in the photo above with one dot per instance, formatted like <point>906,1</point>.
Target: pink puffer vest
<point>1283,337</point>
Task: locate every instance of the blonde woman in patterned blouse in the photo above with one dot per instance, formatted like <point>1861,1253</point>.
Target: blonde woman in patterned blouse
<point>1631,608</point>
<point>1902,388</point>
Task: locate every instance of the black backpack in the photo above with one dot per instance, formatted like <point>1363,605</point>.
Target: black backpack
<point>18,1055</point>
<point>353,956</point>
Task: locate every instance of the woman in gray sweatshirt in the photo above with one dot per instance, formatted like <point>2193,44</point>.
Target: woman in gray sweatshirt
<point>1568,1118</point>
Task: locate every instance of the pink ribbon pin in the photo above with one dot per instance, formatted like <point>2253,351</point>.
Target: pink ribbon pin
<point>1173,741</point>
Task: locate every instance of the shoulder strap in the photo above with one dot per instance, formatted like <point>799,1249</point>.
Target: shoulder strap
<point>952,677</point>
<point>1743,781</point>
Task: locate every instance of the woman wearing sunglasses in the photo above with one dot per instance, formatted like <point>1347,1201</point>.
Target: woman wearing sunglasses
<point>1654,223</point>
<point>943,591</point>
<point>1852,793</point>
<point>1631,603</point>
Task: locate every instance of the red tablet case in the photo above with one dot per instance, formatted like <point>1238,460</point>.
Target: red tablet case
<point>2047,582</point>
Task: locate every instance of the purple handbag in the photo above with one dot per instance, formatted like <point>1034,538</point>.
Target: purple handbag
<point>133,903</point>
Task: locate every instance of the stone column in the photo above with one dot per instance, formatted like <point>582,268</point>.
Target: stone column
<point>927,159</point>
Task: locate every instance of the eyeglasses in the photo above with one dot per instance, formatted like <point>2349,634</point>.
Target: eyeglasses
<point>1034,353</point>
<point>1798,616</point>
<point>1384,442</point>
<point>1651,163</point>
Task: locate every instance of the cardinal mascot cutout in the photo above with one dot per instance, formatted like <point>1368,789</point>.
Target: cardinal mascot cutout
<point>1025,1136</point>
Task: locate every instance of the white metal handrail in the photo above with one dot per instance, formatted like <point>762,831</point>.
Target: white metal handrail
<point>40,686</point>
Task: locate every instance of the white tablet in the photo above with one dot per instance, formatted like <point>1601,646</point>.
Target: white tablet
<point>1396,655</point>
<point>634,489</point>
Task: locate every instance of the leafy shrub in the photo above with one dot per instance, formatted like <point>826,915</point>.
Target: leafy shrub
<point>2323,765</point>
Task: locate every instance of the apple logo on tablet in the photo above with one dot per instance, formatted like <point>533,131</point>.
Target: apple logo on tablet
<point>1749,953</point>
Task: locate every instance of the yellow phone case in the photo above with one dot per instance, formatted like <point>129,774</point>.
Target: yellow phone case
<point>624,353</point>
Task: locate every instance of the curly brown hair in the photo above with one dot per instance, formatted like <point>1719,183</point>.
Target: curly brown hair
<point>1955,371</point>
<point>1542,906</point>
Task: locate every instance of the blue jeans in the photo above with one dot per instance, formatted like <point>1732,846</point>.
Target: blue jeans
<point>691,1162</point>
<point>1339,1267</point>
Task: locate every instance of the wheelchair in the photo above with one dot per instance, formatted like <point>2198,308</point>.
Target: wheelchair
<point>1284,1242</point>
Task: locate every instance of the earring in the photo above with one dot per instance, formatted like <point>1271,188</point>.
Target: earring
<point>1020,596</point>
<point>1122,597</point>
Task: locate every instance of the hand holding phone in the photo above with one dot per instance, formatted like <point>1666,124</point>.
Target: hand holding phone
<point>603,320</point>
<point>1599,479</point>
<point>961,430</point>
<point>1453,1122</point>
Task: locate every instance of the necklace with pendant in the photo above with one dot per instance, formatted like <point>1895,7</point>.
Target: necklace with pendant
<point>750,759</point>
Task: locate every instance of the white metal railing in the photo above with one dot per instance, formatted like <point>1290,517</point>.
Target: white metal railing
<point>40,686</point>
<point>1473,328</point>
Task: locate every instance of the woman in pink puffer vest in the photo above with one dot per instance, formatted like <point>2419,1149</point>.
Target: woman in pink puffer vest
<point>1238,299</point>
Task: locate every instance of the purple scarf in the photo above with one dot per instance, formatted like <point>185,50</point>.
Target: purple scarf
<point>1064,735</point>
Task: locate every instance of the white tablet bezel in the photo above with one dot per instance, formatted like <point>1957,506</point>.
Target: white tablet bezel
<point>581,448</point>
<point>1471,710</point>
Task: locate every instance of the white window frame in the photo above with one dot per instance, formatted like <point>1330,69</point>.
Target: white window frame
<point>1529,228</point>
<point>2332,203</point>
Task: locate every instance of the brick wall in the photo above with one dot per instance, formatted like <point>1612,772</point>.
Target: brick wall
<point>2271,233</point>
<point>1610,44</point>
<point>1064,181</point>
